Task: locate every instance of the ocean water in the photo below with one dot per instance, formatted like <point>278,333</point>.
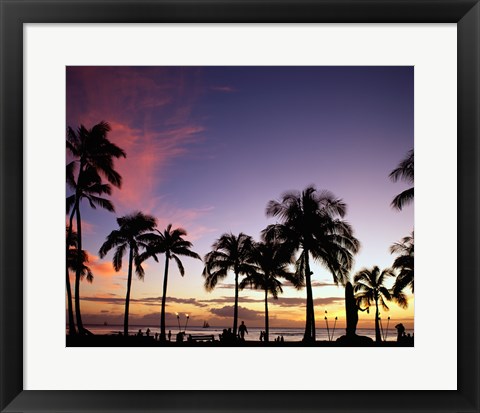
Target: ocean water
<point>289,334</point>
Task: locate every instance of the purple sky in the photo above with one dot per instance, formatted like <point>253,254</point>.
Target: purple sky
<point>208,147</point>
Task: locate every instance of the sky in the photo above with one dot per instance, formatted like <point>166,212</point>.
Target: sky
<point>208,147</point>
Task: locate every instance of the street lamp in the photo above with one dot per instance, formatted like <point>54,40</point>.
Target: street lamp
<point>186,322</point>
<point>178,320</point>
<point>326,322</point>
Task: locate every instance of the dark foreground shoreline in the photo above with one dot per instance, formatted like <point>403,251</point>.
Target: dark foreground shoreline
<point>134,341</point>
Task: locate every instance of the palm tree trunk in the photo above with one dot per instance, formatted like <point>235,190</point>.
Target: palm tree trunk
<point>235,308</point>
<point>163,336</point>
<point>310,316</point>
<point>378,337</point>
<point>127,298</point>
<point>78,271</point>
<point>266,315</point>
<point>71,322</point>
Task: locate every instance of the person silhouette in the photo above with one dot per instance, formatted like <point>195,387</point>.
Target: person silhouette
<point>223,336</point>
<point>261,335</point>
<point>148,332</point>
<point>242,330</point>
<point>400,331</point>
<point>169,335</point>
<point>156,336</point>
<point>140,334</point>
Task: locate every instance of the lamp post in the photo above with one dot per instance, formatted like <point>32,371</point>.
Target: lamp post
<point>381,326</point>
<point>186,322</point>
<point>334,325</point>
<point>386,333</point>
<point>178,320</point>
<point>326,322</point>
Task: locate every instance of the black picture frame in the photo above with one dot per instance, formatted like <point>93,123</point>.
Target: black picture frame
<point>14,13</point>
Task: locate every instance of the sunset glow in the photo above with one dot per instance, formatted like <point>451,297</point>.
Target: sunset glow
<point>208,147</point>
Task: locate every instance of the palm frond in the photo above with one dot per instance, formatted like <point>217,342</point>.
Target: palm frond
<point>139,271</point>
<point>101,202</point>
<point>179,265</point>
<point>117,257</point>
<point>401,299</point>
<point>403,199</point>
<point>405,169</point>
<point>70,171</point>
<point>70,202</point>
<point>115,238</point>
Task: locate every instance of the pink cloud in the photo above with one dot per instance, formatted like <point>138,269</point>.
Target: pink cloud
<point>149,110</point>
<point>148,156</point>
<point>187,218</point>
<point>103,268</point>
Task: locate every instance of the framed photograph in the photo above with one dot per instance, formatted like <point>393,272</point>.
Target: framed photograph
<point>234,210</point>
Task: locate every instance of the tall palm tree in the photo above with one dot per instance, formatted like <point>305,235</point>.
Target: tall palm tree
<point>272,260</point>
<point>172,244</point>
<point>404,263</point>
<point>313,224</point>
<point>132,235</point>
<point>89,187</point>
<point>369,286</point>
<point>90,149</point>
<point>229,253</point>
<point>405,172</point>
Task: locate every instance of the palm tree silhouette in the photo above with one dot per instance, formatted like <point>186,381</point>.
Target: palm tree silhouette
<point>313,224</point>
<point>172,244</point>
<point>91,149</point>
<point>272,260</point>
<point>77,261</point>
<point>74,256</point>
<point>88,187</point>
<point>370,288</point>
<point>133,234</point>
<point>405,172</point>
<point>229,252</point>
<point>404,263</point>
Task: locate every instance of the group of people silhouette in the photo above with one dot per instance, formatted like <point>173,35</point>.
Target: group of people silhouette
<point>402,337</point>
<point>147,333</point>
<point>227,335</point>
<point>156,335</point>
<point>263,337</point>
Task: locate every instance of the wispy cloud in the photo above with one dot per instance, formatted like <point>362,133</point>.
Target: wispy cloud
<point>280,302</point>
<point>314,284</point>
<point>149,153</point>
<point>150,111</point>
<point>224,89</point>
<point>148,301</point>
<point>222,300</point>
<point>300,302</point>
<point>187,218</point>
<point>225,286</point>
